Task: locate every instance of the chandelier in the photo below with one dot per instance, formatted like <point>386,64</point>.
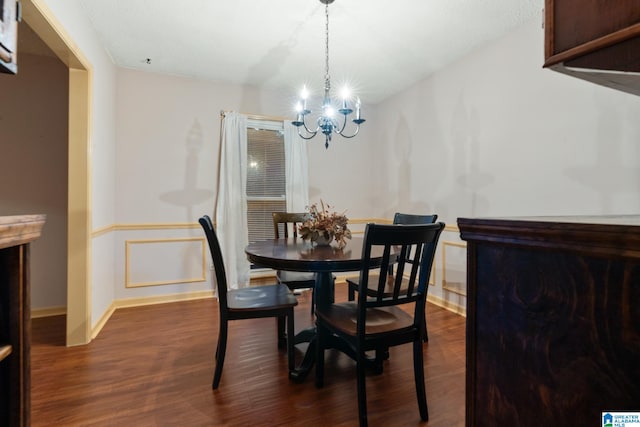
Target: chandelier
<point>328,122</point>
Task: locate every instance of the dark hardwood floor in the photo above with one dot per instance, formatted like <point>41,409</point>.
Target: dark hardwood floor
<point>153,366</point>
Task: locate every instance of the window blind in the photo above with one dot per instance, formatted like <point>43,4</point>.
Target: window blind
<point>265,179</point>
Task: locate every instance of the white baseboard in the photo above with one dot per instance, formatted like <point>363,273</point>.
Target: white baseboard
<point>95,330</point>
<point>48,312</point>
<point>138,302</point>
<point>162,299</point>
<point>447,305</point>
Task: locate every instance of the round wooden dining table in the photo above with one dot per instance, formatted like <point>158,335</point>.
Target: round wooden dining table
<point>295,254</point>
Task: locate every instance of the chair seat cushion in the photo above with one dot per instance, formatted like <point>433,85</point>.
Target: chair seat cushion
<point>381,320</point>
<point>260,297</point>
<point>372,285</point>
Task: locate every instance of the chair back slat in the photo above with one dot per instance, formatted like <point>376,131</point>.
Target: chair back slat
<point>415,268</point>
<point>387,260</point>
<point>218,263</point>
<point>411,248</point>
<point>402,257</point>
<point>287,220</point>
<point>413,219</point>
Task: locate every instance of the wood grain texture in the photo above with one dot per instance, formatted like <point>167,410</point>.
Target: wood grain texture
<point>20,229</point>
<point>564,347</point>
<point>581,21</point>
<point>594,40</point>
<point>553,320</point>
<point>152,366</point>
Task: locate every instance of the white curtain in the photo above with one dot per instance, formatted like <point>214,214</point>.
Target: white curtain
<point>231,209</point>
<point>296,169</point>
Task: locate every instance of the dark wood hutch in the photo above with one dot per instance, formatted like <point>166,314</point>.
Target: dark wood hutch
<point>16,233</point>
<point>553,319</point>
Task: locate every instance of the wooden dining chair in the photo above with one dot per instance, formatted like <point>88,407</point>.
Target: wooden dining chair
<point>248,303</point>
<point>354,282</point>
<point>378,322</point>
<point>295,280</point>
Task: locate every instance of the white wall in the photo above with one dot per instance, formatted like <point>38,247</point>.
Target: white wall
<point>168,136</point>
<point>496,135</point>
<point>164,120</point>
<point>166,159</point>
<point>342,175</point>
<point>493,134</point>
<point>33,166</point>
<point>102,147</point>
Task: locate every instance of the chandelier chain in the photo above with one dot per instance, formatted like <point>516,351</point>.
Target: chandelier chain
<point>327,78</point>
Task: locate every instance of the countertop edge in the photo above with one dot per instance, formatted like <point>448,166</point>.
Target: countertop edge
<point>20,229</point>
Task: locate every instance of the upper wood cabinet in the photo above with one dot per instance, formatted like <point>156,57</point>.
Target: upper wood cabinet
<point>595,40</point>
<point>9,16</point>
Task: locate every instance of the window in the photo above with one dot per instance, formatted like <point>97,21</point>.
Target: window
<point>265,177</point>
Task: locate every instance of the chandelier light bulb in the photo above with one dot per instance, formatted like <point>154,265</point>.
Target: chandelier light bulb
<point>328,111</point>
<point>345,98</point>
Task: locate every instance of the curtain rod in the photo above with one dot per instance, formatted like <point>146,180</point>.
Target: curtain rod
<point>258,117</point>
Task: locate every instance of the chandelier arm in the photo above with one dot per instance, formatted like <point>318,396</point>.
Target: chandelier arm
<point>304,124</point>
<point>344,125</point>
<point>311,134</point>
<point>354,133</point>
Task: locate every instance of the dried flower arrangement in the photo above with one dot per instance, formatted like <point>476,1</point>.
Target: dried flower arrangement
<point>324,225</point>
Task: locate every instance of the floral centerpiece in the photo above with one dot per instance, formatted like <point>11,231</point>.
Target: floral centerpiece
<point>324,226</point>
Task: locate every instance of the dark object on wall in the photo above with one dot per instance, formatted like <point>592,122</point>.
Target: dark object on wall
<point>553,319</point>
<point>596,41</point>
<point>9,18</point>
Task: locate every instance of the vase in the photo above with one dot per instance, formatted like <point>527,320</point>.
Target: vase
<point>321,240</point>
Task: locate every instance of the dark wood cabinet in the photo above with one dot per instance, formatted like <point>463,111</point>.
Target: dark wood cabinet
<point>9,17</point>
<point>595,40</point>
<point>553,319</point>
<point>16,233</point>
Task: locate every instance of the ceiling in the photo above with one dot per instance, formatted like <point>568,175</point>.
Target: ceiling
<point>377,47</point>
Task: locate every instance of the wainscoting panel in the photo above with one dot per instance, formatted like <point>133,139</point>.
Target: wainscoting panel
<point>454,267</point>
<point>153,262</point>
